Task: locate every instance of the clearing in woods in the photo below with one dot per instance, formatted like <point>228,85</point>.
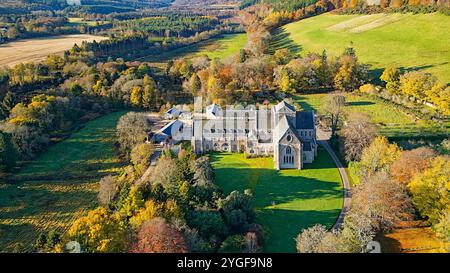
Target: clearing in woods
<point>37,49</point>
<point>220,47</point>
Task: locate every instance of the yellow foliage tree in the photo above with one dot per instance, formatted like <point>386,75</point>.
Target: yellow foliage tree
<point>379,155</point>
<point>99,231</point>
<point>431,189</point>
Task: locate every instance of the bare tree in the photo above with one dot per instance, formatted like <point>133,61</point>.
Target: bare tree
<point>358,133</point>
<point>334,106</point>
<point>107,191</point>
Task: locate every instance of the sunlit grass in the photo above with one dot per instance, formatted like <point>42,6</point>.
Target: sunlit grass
<point>285,201</point>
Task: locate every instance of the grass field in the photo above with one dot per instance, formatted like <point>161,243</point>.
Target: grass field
<point>37,49</point>
<point>220,47</point>
<point>285,201</point>
<point>412,42</point>
<point>60,185</point>
<point>392,121</point>
<point>81,21</point>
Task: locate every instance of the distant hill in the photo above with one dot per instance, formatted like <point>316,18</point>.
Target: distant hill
<point>95,6</point>
<point>291,5</point>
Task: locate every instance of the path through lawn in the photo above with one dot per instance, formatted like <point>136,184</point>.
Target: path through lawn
<point>59,186</point>
<point>286,201</point>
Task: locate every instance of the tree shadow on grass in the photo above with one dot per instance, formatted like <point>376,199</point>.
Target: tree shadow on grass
<point>11,235</point>
<point>282,226</point>
<point>285,201</point>
<point>360,103</point>
<point>280,39</point>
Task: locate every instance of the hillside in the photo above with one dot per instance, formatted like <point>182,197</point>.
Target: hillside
<point>412,42</point>
<point>97,6</point>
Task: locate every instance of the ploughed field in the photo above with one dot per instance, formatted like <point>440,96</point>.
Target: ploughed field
<point>37,49</point>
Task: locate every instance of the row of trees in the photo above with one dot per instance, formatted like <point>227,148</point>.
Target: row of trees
<point>28,26</point>
<point>420,86</point>
<point>236,79</point>
<point>167,26</point>
<point>404,6</point>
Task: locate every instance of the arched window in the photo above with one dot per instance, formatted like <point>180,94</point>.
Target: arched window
<point>288,150</point>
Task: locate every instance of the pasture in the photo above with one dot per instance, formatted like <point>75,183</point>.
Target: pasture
<point>220,47</point>
<point>59,186</point>
<point>392,121</point>
<point>37,49</point>
<point>409,41</point>
<point>285,201</point>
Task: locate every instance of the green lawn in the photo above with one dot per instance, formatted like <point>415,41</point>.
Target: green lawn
<point>393,121</point>
<point>413,42</point>
<point>221,47</point>
<point>285,201</point>
<point>60,185</point>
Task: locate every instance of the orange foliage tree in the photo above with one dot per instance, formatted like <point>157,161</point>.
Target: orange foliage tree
<point>411,163</point>
<point>156,236</point>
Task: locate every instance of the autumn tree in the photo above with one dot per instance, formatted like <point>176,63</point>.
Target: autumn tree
<point>439,95</point>
<point>132,129</point>
<point>156,236</point>
<point>107,190</point>
<point>99,231</point>
<point>410,163</point>
<point>195,84</point>
<point>416,84</point>
<point>309,240</point>
<point>140,157</point>
<point>350,74</point>
<point>379,156</point>
<point>334,107</point>
<point>136,96</point>
<point>150,94</point>
<point>391,76</point>
<point>384,201</point>
<point>443,228</point>
<point>358,133</point>
<point>283,56</point>
<point>431,189</point>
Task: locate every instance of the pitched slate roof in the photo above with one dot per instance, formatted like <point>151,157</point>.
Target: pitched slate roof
<point>284,104</point>
<point>282,127</point>
<point>304,120</point>
<point>307,146</point>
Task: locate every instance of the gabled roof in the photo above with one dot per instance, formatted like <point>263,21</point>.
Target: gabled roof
<point>213,109</point>
<point>304,120</point>
<point>170,128</point>
<point>282,127</point>
<point>283,104</point>
<point>172,110</point>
